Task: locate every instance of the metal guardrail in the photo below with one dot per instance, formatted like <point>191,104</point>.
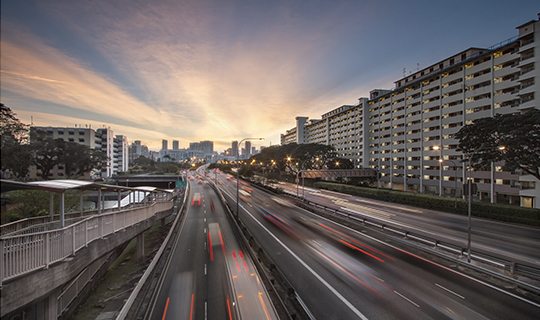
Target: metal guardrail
<point>22,254</point>
<point>513,267</point>
<point>129,303</point>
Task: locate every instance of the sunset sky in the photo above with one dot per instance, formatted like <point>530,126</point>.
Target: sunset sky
<point>193,70</point>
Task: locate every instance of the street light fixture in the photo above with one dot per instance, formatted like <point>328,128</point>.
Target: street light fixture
<point>238,177</point>
<point>297,180</point>
<point>469,183</point>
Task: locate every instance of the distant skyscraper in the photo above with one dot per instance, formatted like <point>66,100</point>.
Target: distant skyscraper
<point>207,147</point>
<point>164,144</point>
<point>248,148</point>
<point>234,148</point>
<point>175,145</point>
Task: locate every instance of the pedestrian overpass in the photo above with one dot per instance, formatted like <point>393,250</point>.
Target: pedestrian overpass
<point>46,262</point>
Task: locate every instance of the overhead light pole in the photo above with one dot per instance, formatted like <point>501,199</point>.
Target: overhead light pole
<point>469,184</point>
<point>238,177</point>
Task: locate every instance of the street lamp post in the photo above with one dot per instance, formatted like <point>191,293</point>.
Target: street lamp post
<point>297,178</point>
<point>469,183</point>
<point>238,177</point>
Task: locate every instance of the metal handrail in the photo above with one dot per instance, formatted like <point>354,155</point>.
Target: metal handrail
<point>25,253</point>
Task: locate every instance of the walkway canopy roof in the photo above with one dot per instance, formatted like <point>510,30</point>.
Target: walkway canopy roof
<point>63,185</point>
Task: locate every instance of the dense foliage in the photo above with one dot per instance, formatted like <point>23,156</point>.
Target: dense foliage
<point>21,149</point>
<point>500,212</point>
<point>519,134</point>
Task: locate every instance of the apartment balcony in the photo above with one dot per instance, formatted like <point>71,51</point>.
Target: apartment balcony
<point>506,71</point>
<point>451,120</point>
<point>506,58</point>
<point>479,79</point>
<point>506,84</point>
<point>453,98</point>
<point>478,115</point>
<point>503,97</point>
<point>526,59</point>
<point>451,88</point>
<point>453,109</point>
<point>477,68</point>
<point>413,92</point>
<point>451,131</point>
<point>476,104</point>
<point>453,77</point>
<point>434,113</point>
<point>431,94</point>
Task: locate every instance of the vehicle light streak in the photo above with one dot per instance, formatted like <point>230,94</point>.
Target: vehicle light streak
<point>369,254</point>
<point>382,254</point>
<point>222,244</point>
<point>210,246</point>
<point>234,254</point>
<point>212,205</point>
<point>245,266</point>
<point>334,231</point>
<point>282,227</point>
<point>193,201</point>
<point>238,267</point>
<point>199,200</point>
<point>229,307</point>
<point>165,311</point>
<point>263,305</point>
<point>353,266</point>
<point>351,275</point>
<point>191,312</point>
<point>241,255</point>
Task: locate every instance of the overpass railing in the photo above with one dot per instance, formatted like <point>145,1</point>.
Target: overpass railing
<point>30,225</point>
<point>24,253</point>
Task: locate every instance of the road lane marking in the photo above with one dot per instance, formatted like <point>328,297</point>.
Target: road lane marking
<point>452,292</point>
<point>205,269</point>
<point>399,294</point>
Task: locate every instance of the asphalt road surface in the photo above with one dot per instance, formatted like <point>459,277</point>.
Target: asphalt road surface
<point>344,274</point>
<point>208,276</point>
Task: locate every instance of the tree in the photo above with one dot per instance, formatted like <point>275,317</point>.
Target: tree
<point>340,163</point>
<point>303,154</point>
<point>16,154</point>
<point>16,157</point>
<point>79,159</point>
<point>519,134</point>
<point>10,125</point>
<point>47,152</point>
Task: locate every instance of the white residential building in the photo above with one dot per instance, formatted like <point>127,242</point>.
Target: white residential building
<point>406,132</point>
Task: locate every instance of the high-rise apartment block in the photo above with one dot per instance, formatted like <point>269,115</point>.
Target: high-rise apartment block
<point>407,133</point>
<point>115,148</point>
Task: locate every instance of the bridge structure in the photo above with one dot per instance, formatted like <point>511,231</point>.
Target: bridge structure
<point>47,262</point>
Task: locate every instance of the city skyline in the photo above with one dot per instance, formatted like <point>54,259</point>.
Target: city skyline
<point>204,71</point>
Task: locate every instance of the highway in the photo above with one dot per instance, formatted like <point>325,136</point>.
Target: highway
<point>499,239</point>
<point>340,273</point>
<point>207,275</point>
